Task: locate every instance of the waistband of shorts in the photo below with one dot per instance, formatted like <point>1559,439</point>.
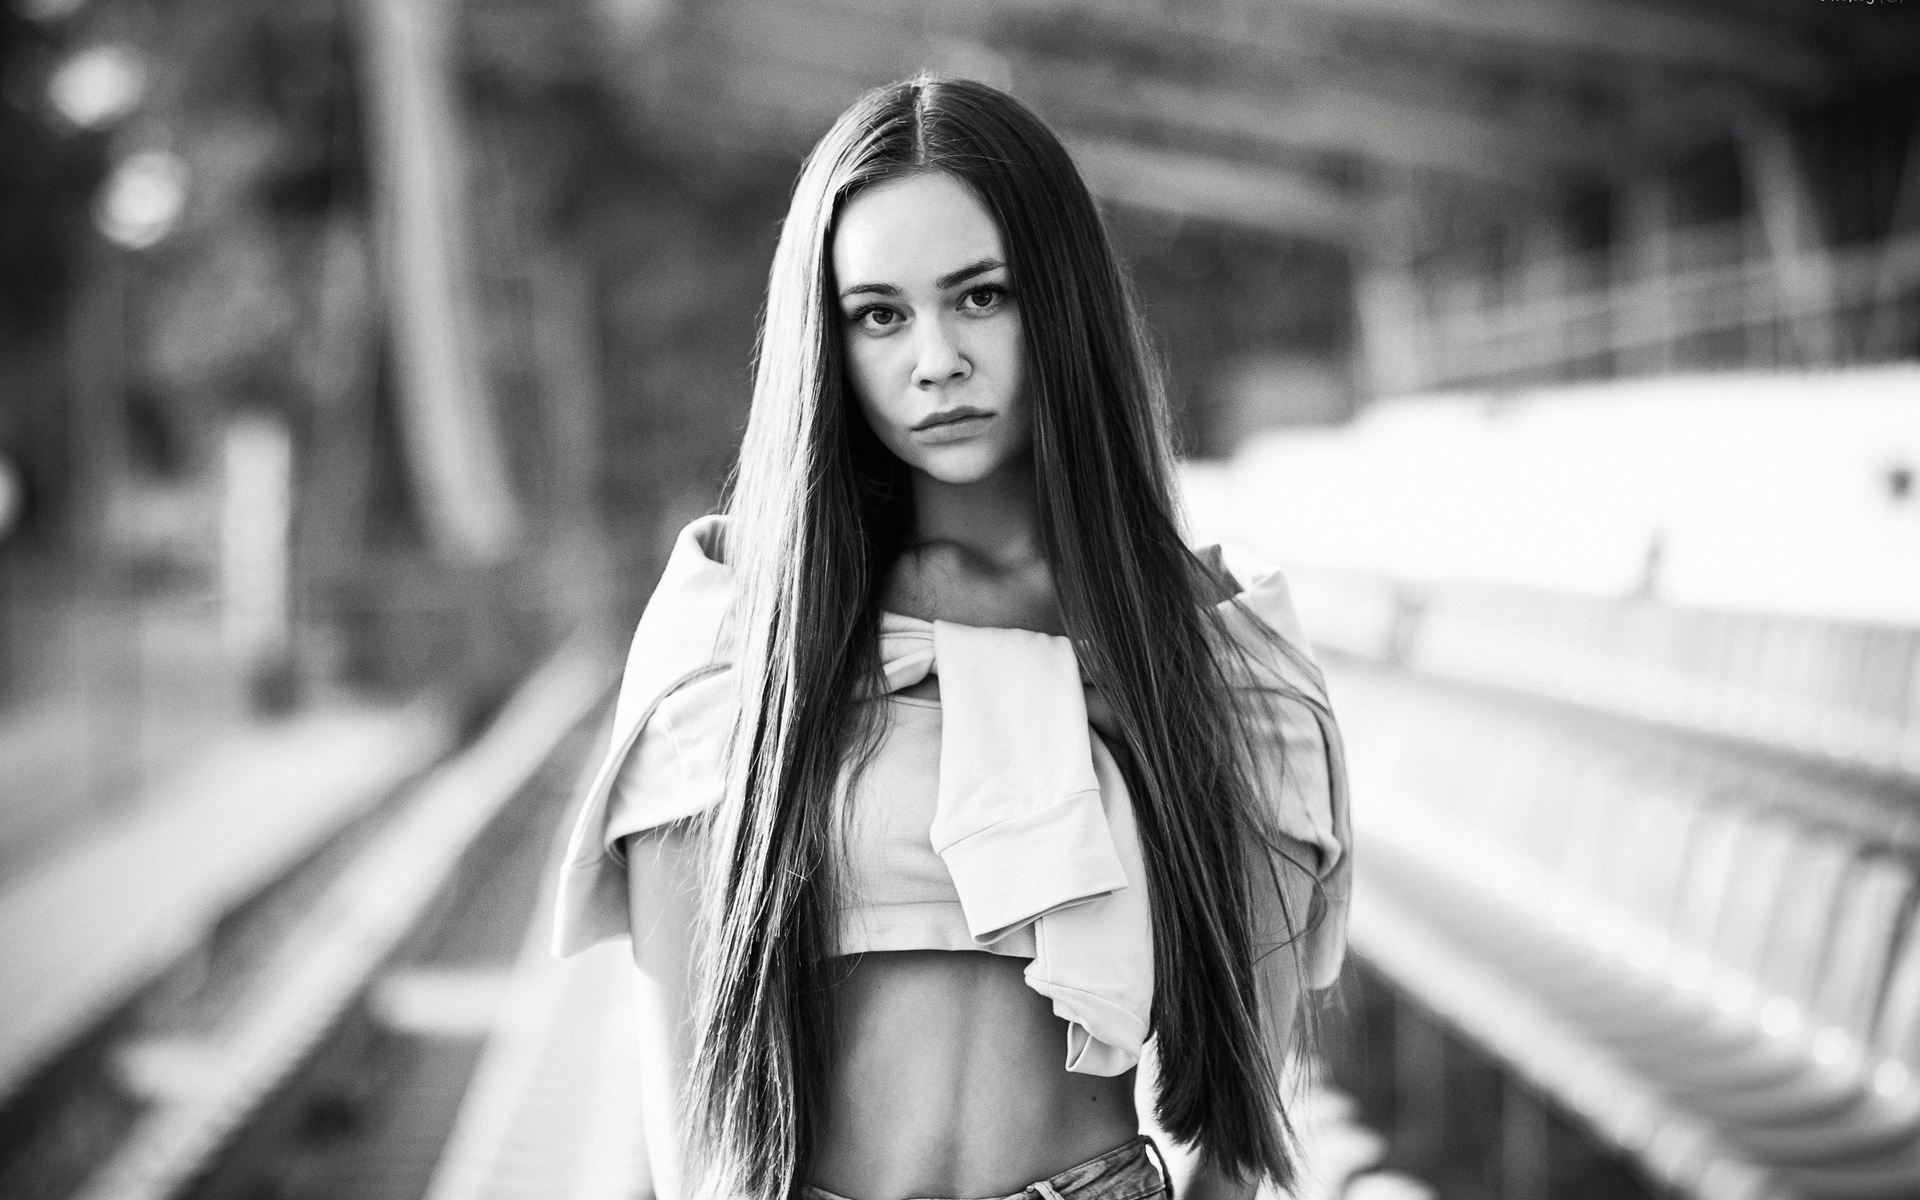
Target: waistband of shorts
<point>1082,1181</point>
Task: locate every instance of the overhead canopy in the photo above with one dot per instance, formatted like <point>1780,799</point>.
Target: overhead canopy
<point>1294,117</point>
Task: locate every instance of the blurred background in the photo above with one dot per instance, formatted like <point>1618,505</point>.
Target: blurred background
<point>360,358</point>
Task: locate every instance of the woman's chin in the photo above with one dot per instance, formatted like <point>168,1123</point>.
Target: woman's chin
<point>961,465</point>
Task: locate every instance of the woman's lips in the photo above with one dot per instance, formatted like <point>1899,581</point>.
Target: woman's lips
<point>957,430</point>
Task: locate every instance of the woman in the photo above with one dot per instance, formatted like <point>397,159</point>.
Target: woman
<point>940,750</point>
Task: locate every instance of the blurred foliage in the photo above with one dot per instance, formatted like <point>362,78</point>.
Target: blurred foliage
<point>149,350</point>
<point>48,172</point>
<point>258,99</point>
<point>674,239</point>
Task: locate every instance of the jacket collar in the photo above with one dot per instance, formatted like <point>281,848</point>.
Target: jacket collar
<point>687,624</point>
<point>697,587</point>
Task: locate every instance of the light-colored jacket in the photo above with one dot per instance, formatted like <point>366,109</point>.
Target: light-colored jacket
<point>1032,818</point>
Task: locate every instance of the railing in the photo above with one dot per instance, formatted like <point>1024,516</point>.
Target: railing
<point>1842,692</point>
<point>1727,304</point>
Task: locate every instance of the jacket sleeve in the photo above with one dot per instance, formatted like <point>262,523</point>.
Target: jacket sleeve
<point>664,763</point>
<point>1298,749</point>
<point>1303,769</point>
<point>676,768</point>
<point>679,661</point>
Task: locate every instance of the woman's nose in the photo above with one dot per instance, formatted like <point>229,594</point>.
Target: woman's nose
<point>941,359</point>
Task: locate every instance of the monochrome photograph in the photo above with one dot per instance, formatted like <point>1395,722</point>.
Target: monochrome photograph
<point>959,600</point>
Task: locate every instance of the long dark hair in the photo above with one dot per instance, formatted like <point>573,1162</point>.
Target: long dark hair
<point>820,508</point>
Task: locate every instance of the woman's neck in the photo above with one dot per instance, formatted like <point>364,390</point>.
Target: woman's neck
<point>996,518</point>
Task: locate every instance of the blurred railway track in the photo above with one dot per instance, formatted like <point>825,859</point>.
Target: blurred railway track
<point>317,1038</point>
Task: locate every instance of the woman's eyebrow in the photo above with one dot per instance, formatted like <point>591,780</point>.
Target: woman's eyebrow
<point>968,272</point>
<point>944,282</point>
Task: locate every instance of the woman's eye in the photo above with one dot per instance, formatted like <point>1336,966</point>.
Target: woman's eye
<point>985,298</point>
<point>875,318</point>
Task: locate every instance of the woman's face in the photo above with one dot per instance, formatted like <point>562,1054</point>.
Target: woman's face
<point>932,333</point>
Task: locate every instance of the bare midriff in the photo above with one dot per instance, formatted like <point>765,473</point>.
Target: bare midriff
<point>950,1080</point>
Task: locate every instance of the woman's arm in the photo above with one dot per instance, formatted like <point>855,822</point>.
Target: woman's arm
<point>663,889</point>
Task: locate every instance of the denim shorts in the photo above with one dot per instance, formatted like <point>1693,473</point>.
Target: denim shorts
<point>1132,1171</point>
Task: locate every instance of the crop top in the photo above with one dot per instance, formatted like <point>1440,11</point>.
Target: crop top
<point>994,818</point>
